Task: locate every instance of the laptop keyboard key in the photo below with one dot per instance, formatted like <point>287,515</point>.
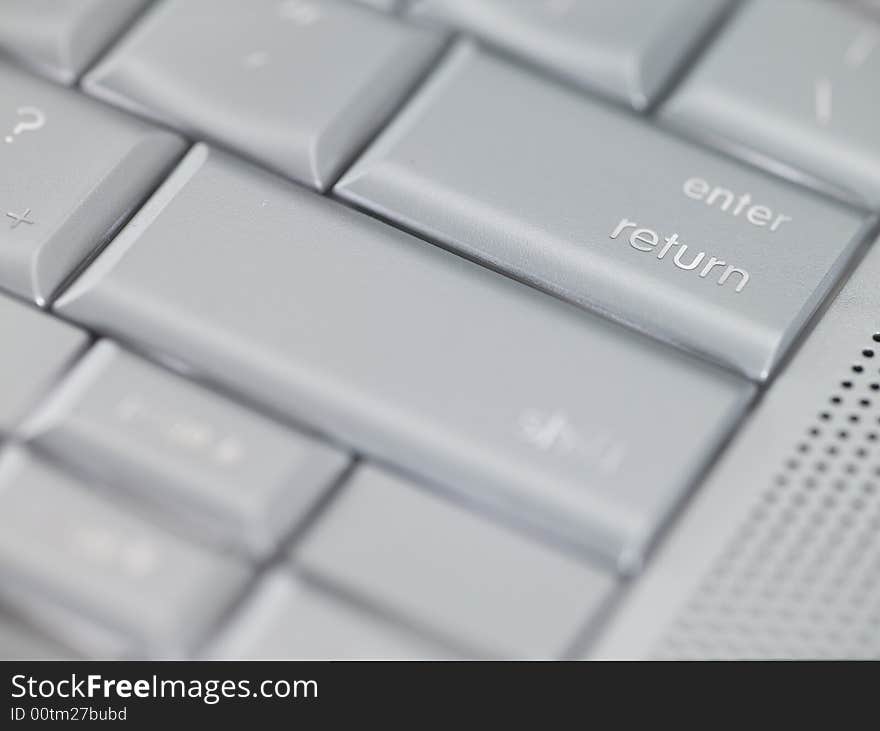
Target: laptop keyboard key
<point>72,169</point>
<point>298,85</point>
<point>88,554</point>
<point>386,6</point>
<point>209,463</point>
<point>36,350</point>
<point>60,38</point>
<point>428,360</point>
<point>604,210</point>
<point>286,619</point>
<point>627,49</point>
<point>798,81</point>
<point>440,567</point>
<point>19,641</point>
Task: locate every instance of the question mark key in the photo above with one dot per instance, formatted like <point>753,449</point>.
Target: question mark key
<point>69,170</point>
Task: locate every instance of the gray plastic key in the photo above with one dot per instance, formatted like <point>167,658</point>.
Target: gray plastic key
<point>71,169</point>
<point>868,6</point>
<point>85,636</point>
<point>627,49</point>
<point>87,553</point>
<point>798,81</point>
<point>240,478</point>
<point>443,568</point>
<point>19,641</point>
<point>386,6</point>
<point>60,38</point>
<point>36,349</point>
<point>604,210</point>
<point>297,84</point>
<point>408,352</point>
<point>286,619</point>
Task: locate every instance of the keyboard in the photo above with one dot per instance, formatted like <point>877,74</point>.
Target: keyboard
<point>398,328</point>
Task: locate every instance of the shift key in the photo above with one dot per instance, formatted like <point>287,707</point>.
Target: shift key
<point>607,211</point>
<point>410,354</point>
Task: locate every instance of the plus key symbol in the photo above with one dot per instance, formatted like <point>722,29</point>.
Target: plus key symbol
<point>19,218</point>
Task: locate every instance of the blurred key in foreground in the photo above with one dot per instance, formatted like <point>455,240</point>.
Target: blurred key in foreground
<point>387,6</point>
<point>207,463</point>
<point>20,641</point>
<point>60,540</point>
<point>287,619</point>
<point>433,563</point>
<point>36,350</point>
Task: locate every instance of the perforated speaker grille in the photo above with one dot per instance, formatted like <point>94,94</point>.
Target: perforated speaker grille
<point>801,578</point>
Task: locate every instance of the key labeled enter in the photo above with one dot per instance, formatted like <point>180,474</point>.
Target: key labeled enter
<point>606,211</point>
